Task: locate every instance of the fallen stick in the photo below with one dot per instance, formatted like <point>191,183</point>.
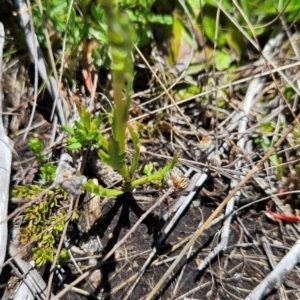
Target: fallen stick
<point>275,279</point>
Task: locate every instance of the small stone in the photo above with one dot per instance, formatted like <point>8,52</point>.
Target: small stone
<point>135,264</point>
<point>91,246</point>
<point>92,262</point>
<point>95,278</point>
<point>196,203</point>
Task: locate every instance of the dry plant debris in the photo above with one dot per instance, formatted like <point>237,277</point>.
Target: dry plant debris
<point>223,223</point>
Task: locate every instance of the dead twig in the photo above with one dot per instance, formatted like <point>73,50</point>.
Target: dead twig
<point>275,279</point>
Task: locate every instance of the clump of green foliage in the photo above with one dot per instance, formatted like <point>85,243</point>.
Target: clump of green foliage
<point>214,27</point>
<point>44,221</point>
<point>46,169</point>
<point>87,22</point>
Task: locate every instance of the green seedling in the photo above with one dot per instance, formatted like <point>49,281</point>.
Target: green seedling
<point>64,256</point>
<point>86,132</point>
<point>37,147</point>
<point>47,172</point>
<point>155,176</point>
<point>47,169</point>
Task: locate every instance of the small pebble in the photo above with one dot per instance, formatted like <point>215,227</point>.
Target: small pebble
<point>196,203</point>
<point>92,262</point>
<point>95,278</point>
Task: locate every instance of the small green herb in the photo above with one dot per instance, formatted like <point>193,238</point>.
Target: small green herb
<point>37,147</point>
<point>43,222</point>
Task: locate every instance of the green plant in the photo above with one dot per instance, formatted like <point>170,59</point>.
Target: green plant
<point>224,44</point>
<point>113,152</point>
<point>43,222</point>
<point>86,29</point>
<point>37,147</point>
<point>47,169</point>
<point>86,133</point>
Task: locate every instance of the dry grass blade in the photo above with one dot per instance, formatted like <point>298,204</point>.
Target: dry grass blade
<point>220,207</point>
